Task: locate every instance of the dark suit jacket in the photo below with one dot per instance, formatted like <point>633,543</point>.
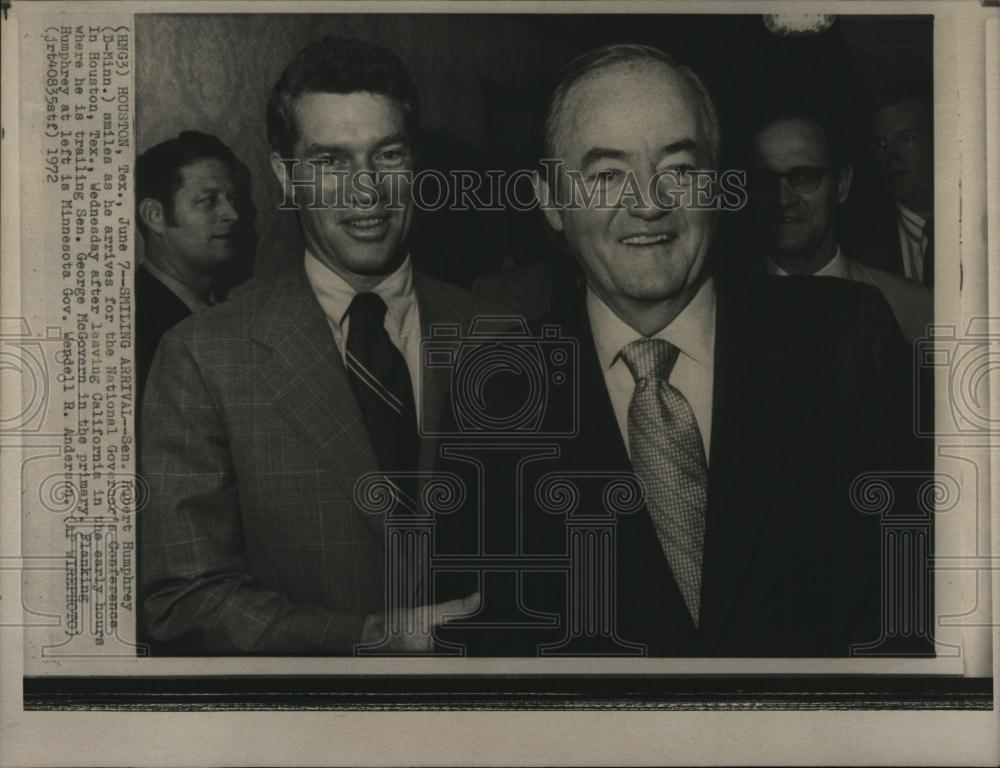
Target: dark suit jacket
<point>252,443</point>
<point>157,309</point>
<point>811,390</point>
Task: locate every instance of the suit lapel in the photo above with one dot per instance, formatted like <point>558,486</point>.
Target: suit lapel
<point>649,604</point>
<point>306,379</point>
<point>436,309</point>
<point>740,451</point>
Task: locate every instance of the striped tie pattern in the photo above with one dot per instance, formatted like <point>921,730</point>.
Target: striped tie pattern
<point>381,382</point>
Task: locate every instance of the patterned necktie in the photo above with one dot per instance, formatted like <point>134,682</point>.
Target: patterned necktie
<point>669,458</point>
<point>381,381</point>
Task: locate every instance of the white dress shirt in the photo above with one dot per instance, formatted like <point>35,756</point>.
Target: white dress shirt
<point>692,332</point>
<point>913,241</point>
<point>835,267</point>
<point>402,318</point>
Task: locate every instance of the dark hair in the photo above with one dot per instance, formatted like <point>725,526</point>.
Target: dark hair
<point>336,65</point>
<point>628,53</point>
<point>158,169</point>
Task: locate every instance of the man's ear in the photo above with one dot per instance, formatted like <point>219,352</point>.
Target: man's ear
<point>281,173</point>
<point>547,201</point>
<point>152,214</point>
<point>844,182</point>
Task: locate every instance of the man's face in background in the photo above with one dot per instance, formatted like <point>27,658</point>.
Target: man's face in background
<point>360,234</point>
<point>794,192</point>
<point>904,149</point>
<point>633,120</point>
<point>200,227</point>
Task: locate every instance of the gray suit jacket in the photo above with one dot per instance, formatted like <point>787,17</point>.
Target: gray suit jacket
<point>252,441</point>
<point>911,302</point>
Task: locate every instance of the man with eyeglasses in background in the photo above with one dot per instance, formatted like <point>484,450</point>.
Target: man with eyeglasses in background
<point>799,179</point>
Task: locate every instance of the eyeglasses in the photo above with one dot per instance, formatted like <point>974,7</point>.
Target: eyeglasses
<point>802,178</point>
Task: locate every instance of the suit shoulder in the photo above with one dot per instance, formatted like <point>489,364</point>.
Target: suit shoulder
<point>460,303</point>
<point>818,307</point>
<point>816,294</point>
<point>901,286</point>
<point>522,279</point>
<point>230,319</point>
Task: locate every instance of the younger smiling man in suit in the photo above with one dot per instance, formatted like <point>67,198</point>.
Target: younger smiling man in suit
<point>746,407</point>
<point>262,414</point>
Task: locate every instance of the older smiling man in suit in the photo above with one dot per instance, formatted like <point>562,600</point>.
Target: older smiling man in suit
<point>262,414</point>
<point>746,407</point>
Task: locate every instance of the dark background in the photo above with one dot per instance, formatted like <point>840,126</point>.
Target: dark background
<point>482,81</point>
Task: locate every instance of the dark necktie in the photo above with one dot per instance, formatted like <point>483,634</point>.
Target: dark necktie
<point>381,381</point>
<point>669,458</point>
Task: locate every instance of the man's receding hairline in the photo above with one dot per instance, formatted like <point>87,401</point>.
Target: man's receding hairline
<point>815,125</point>
<point>629,64</point>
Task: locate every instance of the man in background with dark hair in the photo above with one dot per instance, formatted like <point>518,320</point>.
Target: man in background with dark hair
<point>188,210</point>
<point>263,413</point>
<point>798,182</point>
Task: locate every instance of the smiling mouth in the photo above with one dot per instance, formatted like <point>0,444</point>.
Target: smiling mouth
<point>370,223</point>
<point>666,237</point>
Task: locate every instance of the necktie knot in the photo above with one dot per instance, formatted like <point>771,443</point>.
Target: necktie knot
<point>650,359</point>
<point>367,310</point>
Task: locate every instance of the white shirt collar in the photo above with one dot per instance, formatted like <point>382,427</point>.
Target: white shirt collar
<point>835,267</point>
<point>335,294</point>
<point>692,331</point>
<point>910,216</point>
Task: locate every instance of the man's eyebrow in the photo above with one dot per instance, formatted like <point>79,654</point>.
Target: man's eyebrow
<point>337,149</point>
<point>684,145</point>
<point>324,149</point>
<point>604,153</point>
<point>395,138</point>
<point>594,154</point>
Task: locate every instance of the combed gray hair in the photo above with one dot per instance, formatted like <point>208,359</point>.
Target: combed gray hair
<point>629,53</point>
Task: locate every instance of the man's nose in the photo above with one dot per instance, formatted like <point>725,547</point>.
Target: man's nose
<point>888,152</point>
<point>786,195</point>
<point>368,187</point>
<point>228,212</point>
<point>642,205</point>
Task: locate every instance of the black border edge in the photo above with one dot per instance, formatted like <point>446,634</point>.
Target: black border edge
<point>506,692</point>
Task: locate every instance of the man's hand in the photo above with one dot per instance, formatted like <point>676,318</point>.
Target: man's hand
<point>412,631</point>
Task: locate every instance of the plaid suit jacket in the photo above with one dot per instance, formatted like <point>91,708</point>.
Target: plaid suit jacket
<point>252,441</point>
